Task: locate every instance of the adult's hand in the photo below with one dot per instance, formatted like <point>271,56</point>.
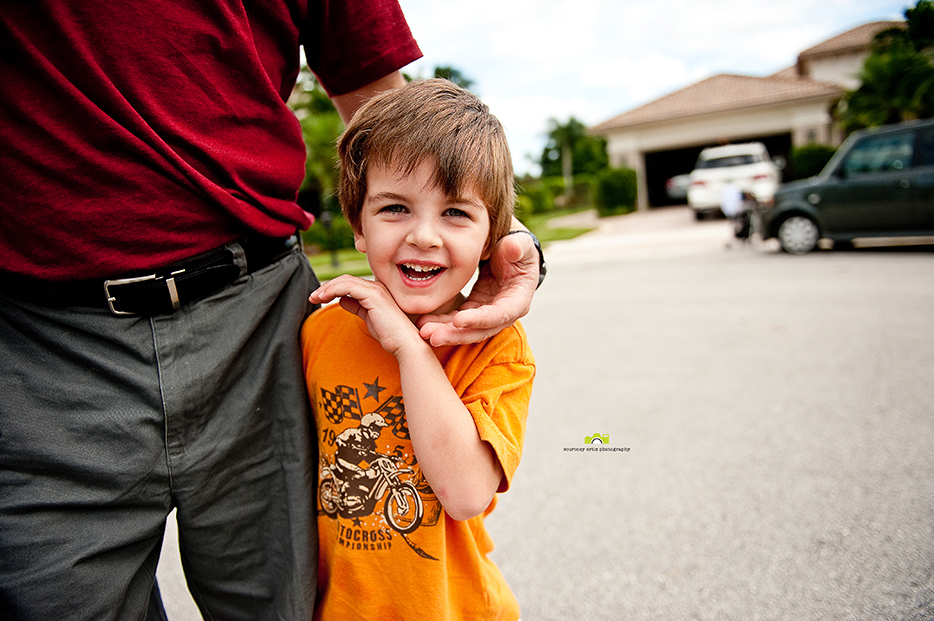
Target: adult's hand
<point>502,294</point>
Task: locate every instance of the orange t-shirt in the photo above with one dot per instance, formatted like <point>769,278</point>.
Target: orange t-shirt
<point>387,550</point>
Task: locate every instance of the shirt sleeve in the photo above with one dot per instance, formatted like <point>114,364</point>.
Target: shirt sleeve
<point>498,399</point>
<point>351,43</point>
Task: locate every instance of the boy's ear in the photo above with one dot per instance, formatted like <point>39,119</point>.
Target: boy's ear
<point>359,242</point>
<point>488,249</point>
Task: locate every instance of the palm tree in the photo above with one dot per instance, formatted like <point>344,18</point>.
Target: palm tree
<point>570,150</point>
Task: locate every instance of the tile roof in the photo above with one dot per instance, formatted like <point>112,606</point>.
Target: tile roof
<point>722,93</point>
<point>856,39</point>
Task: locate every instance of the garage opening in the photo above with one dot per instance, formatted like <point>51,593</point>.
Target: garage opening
<point>660,166</point>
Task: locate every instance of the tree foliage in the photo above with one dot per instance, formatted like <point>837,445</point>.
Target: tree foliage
<point>454,75</point>
<point>445,72</point>
<point>897,77</point>
<point>807,161</point>
<point>570,150</point>
<point>321,125</point>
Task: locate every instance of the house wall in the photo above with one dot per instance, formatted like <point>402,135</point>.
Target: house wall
<point>839,69</point>
<point>806,122</point>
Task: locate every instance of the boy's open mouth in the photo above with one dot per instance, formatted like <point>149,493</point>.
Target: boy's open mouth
<point>419,272</point>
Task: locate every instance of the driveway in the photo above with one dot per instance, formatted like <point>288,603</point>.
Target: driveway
<point>667,231</point>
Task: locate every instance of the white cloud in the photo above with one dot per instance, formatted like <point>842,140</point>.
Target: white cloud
<point>639,78</point>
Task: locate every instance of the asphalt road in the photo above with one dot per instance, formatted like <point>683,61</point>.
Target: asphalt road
<point>772,420</point>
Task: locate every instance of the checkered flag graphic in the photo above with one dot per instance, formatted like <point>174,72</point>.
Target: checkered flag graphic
<point>393,411</point>
<point>343,402</point>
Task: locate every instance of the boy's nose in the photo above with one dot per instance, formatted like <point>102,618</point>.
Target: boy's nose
<point>424,235</point>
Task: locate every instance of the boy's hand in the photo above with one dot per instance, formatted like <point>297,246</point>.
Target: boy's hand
<point>371,301</point>
<point>502,294</point>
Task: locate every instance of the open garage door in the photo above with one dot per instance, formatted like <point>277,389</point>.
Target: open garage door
<point>663,165</point>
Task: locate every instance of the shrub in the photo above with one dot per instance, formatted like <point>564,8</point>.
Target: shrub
<point>808,160</point>
<point>615,191</point>
<point>340,236</point>
<point>548,193</point>
<point>530,198</point>
<point>524,207</point>
<point>552,191</point>
<point>583,191</point>
<point>538,196</point>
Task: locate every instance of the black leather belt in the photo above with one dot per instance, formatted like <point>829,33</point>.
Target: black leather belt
<point>160,291</point>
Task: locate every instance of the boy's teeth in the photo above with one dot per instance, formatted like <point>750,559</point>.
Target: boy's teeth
<point>419,268</point>
<point>419,271</point>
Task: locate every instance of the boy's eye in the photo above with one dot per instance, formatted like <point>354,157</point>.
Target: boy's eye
<point>392,209</point>
<point>456,213</point>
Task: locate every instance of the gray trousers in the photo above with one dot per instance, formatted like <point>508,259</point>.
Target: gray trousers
<point>107,423</point>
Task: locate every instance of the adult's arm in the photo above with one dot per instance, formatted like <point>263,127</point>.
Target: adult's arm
<point>348,103</point>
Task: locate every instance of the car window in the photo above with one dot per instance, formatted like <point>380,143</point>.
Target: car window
<point>880,154</point>
<point>926,148</point>
<point>726,162</point>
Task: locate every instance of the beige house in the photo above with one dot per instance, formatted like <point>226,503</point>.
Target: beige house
<point>790,108</point>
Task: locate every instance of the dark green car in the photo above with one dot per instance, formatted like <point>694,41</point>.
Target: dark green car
<point>879,183</point>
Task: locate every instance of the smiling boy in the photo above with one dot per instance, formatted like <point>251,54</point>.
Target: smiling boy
<point>427,185</point>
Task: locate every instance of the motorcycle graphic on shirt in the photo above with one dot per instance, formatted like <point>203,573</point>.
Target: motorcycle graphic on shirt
<point>359,477</point>
<point>368,476</point>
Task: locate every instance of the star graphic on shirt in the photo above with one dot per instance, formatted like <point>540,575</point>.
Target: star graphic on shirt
<point>373,390</point>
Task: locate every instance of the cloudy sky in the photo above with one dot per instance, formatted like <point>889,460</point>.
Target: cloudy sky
<point>532,60</point>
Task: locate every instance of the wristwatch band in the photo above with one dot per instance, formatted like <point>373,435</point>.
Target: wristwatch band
<point>542,267</point>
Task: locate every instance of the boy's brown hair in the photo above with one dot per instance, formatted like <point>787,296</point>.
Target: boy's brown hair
<point>429,120</point>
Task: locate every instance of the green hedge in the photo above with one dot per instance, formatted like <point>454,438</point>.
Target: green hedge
<point>615,191</point>
<point>538,196</point>
<point>807,161</point>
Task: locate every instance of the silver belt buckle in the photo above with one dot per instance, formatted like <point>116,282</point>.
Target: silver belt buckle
<point>170,284</point>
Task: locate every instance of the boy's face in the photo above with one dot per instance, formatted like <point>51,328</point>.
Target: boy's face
<point>422,245</point>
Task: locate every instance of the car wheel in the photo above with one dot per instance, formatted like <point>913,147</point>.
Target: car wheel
<point>798,235</point>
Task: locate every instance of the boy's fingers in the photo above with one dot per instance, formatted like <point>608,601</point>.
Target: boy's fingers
<point>352,306</point>
<point>339,287</point>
